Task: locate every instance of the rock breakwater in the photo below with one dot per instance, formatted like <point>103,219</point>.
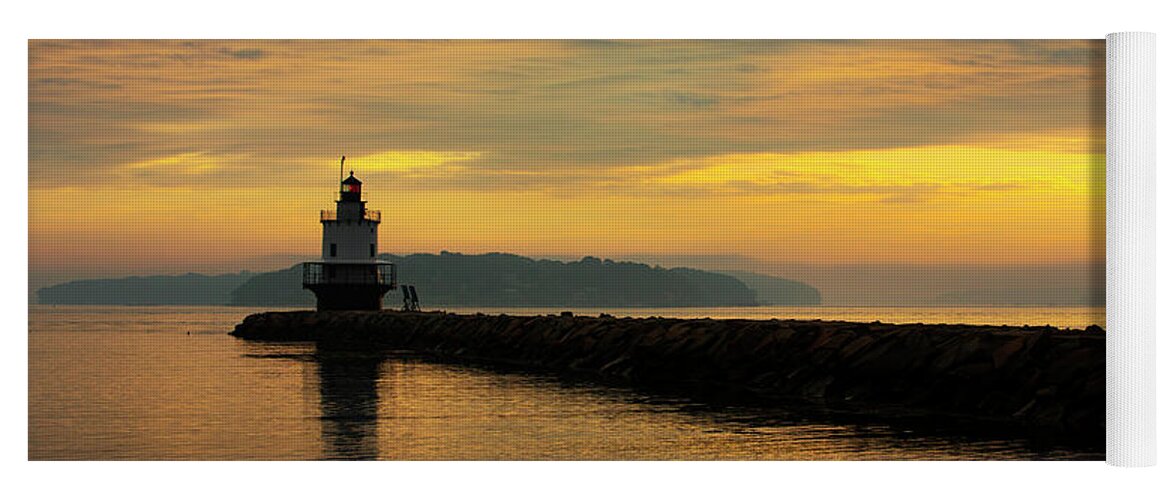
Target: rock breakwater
<point>1049,380</point>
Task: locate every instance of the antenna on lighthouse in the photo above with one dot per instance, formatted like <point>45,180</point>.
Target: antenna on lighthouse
<point>341,170</point>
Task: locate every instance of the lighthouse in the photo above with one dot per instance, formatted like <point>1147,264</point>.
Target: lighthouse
<point>349,275</point>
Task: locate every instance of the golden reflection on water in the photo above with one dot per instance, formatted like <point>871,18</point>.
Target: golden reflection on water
<point>131,383</point>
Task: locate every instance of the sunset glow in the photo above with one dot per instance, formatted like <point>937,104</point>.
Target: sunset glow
<point>150,156</point>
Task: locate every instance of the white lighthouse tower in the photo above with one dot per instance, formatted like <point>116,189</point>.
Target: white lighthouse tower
<point>349,275</point>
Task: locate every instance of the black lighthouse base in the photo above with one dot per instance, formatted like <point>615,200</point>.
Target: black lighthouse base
<point>349,297</point>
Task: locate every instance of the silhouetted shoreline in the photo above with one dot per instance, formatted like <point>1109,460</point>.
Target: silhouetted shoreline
<point>459,280</point>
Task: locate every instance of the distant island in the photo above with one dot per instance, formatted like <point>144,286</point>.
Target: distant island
<point>774,291</point>
<point>458,280</point>
<point>187,289</point>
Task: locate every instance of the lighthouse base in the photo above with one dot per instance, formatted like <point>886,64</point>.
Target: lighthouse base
<point>349,297</point>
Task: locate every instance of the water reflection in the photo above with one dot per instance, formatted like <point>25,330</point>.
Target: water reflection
<point>214,397</point>
<point>349,404</point>
<point>407,408</point>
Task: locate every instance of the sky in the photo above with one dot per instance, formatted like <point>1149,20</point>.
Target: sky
<point>878,171</point>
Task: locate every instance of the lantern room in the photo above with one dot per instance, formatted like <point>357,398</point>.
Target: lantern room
<point>351,188</point>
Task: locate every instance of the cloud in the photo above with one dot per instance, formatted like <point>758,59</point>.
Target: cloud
<point>248,54</point>
<point>73,82</point>
<point>548,108</point>
<point>208,170</point>
<point>412,161</point>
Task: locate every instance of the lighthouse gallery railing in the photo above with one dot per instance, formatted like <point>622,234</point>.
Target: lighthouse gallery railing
<point>320,273</point>
<point>371,215</point>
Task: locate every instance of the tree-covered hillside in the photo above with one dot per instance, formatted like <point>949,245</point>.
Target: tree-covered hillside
<point>187,289</point>
<point>505,280</point>
<point>452,279</point>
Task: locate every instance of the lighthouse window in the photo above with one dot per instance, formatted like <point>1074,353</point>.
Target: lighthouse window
<point>371,249</point>
<point>333,249</point>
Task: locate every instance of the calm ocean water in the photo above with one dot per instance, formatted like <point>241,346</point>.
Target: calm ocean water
<point>131,383</point>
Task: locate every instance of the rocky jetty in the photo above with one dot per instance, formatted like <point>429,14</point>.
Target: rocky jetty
<point>1047,380</point>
